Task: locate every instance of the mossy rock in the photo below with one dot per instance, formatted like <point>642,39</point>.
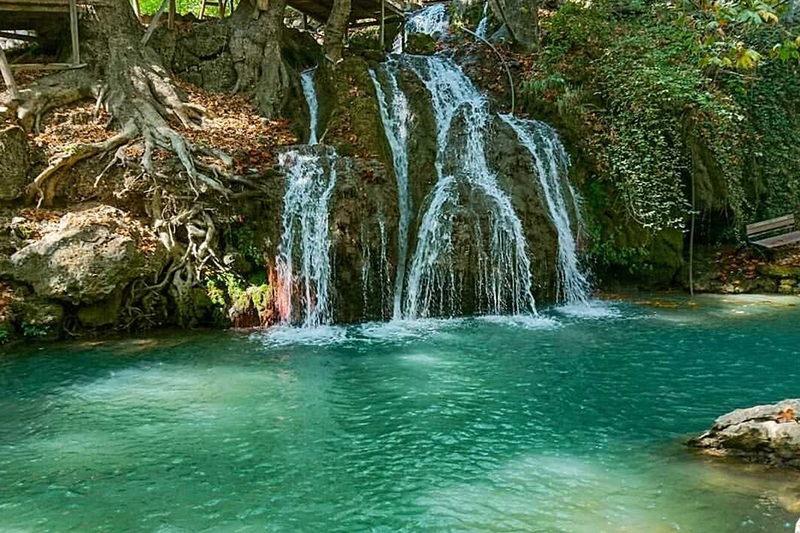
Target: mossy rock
<point>39,319</point>
<point>349,112</point>
<point>420,44</point>
<point>100,314</point>
<point>779,271</point>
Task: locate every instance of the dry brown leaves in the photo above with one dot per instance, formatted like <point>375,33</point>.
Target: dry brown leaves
<point>744,263</point>
<point>69,126</point>
<point>233,125</point>
<point>42,221</point>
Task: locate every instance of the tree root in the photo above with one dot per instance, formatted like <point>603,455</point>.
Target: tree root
<point>184,190</point>
<point>48,178</point>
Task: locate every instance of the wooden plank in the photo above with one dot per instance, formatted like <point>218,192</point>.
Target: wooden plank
<point>154,22</point>
<point>73,30</point>
<point>780,240</point>
<point>8,77</point>
<point>64,3</point>
<point>770,225</point>
<point>40,8</point>
<point>17,36</point>
<point>45,66</point>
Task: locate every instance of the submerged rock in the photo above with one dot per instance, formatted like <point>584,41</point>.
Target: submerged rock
<point>767,434</point>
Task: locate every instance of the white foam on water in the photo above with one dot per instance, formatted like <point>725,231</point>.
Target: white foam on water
<point>400,330</point>
<point>591,309</point>
<point>316,336</point>
<point>521,321</point>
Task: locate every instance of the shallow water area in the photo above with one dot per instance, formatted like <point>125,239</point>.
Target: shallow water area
<point>570,421</point>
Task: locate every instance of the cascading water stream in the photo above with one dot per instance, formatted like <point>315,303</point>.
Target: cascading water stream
<point>552,166</point>
<point>310,93</point>
<point>395,116</point>
<point>504,281</point>
<point>483,25</point>
<point>303,261</point>
<point>432,20</point>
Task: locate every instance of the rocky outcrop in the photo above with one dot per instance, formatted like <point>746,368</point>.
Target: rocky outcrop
<point>14,163</point>
<point>87,256</point>
<point>349,116</point>
<point>768,434</point>
<point>519,18</point>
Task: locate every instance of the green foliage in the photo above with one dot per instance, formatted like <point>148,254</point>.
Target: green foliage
<point>228,290</point>
<point>634,94</point>
<point>772,104</point>
<point>248,240</point>
<point>606,253</point>
<point>579,28</point>
<point>149,7</point>
<point>721,31</point>
<point>5,335</point>
<point>30,331</point>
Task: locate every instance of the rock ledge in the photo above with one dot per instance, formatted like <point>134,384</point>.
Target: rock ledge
<point>766,434</point>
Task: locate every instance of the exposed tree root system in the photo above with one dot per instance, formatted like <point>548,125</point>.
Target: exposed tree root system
<point>182,158</point>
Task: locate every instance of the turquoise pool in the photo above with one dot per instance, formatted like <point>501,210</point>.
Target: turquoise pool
<point>570,422</point>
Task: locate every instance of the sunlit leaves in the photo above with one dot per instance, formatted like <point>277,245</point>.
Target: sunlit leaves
<point>723,27</point>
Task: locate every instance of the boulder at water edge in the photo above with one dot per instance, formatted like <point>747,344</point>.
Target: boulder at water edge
<point>767,434</point>
<point>88,255</point>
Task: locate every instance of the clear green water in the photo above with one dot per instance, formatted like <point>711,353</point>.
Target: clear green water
<point>569,424</point>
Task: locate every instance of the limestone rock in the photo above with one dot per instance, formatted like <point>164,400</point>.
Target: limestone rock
<point>14,163</point>
<point>766,434</point>
<point>88,255</point>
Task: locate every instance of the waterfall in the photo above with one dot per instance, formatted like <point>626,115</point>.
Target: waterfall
<point>432,20</point>
<point>552,166</point>
<point>484,23</point>
<point>310,93</point>
<point>305,237</point>
<point>384,280</point>
<point>504,277</point>
<point>395,116</point>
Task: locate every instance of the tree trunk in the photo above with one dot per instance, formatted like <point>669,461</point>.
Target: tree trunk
<point>149,110</point>
<point>335,29</point>
<point>255,45</point>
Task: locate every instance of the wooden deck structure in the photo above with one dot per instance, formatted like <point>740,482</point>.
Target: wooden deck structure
<point>773,233</point>
<point>360,10</point>
<point>34,15</point>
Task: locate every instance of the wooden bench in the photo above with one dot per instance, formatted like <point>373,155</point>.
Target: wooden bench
<point>773,233</point>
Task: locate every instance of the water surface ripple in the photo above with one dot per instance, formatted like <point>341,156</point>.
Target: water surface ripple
<point>560,423</point>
